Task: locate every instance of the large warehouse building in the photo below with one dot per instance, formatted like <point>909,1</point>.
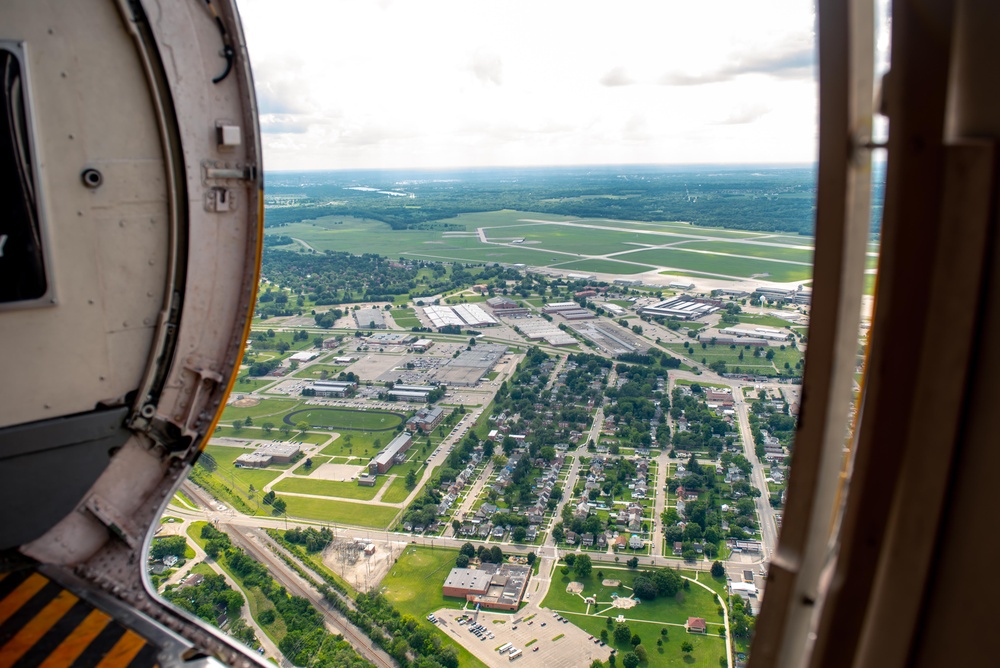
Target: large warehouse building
<point>461,315</point>
<point>492,586</point>
<point>682,307</point>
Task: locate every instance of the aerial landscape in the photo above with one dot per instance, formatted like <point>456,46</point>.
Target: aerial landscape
<point>483,416</point>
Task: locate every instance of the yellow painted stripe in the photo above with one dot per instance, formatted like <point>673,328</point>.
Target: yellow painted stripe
<point>33,631</point>
<point>24,592</point>
<point>67,652</point>
<point>123,652</point>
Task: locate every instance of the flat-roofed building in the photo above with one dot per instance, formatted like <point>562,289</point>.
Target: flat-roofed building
<point>757,333</point>
<point>369,318</point>
<point>422,345</point>
<point>304,356</point>
<point>416,396</point>
<point>491,586</point>
<point>501,302</point>
<point>680,285</point>
<point>268,453</point>
<point>330,388</point>
<point>682,307</point>
<point>614,309</point>
<point>557,307</point>
<point>394,453</point>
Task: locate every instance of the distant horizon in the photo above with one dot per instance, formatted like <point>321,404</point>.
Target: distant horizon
<point>605,166</point>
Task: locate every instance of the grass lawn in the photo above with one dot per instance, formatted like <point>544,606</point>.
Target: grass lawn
<point>343,490</point>
<point>755,250</point>
<point>316,371</point>
<point>354,444</point>
<point>316,463</point>
<point>720,264</point>
<point>340,512</point>
<point>404,317</point>
<point>606,266</point>
<point>397,491</point>
<point>274,435</point>
<point>731,357</point>
<point>249,384</point>
<point>266,407</point>
<point>414,587</point>
<point>695,602</point>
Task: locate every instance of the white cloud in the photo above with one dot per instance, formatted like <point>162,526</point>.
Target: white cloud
<point>349,83</point>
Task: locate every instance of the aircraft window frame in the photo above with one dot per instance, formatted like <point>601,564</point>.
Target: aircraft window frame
<point>23,235</point>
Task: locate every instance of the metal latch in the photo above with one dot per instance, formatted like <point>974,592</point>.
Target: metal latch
<point>220,200</point>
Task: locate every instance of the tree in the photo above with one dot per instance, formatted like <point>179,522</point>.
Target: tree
<point>630,660</point>
<point>468,549</point>
<point>248,421</point>
<point>623,634</point>
<point>604,635</point>
<point>596,663</point>
<point>411,479</point>
<point>519,534</point>
<point>268,427</point>
<point>718,570</point>
<point>583,566</point>
<point>285,430</point>
<point>531,558</point>
<point>636,640</point>
<point>279,505</point>
<point>162,547</point>
<point>461,561</point>
<point>309,463</point>
<point>633,562</point>
<point>237,426</point>
<point>687,647</point>
<point>302,427</point>
<point>496,555</point>
<point>640,652</point>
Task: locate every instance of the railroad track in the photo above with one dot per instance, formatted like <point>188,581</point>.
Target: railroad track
<point>293,583</point>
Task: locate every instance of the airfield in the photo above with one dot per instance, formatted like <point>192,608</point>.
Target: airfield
<point>654,252</point>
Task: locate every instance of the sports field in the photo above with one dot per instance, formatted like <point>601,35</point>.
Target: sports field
<point>343,418</point>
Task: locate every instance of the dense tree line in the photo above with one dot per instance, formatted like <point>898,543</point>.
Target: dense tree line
<point>306,640</point>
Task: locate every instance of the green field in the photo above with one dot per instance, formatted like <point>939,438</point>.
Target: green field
<point>722,265</point>
<point>405,317</point>
<point>414,587</point>
<point>753,250</point>
<point>346,419</point>
<point>274,435</point>
<point>247,384</point>
<point>266,408</point>
<point>749,363</point>
<point>315,371</point>
<point>604,267</point>
<point>340,512</point>
<point>343,490</point>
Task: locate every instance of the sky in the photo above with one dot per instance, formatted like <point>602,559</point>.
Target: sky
<point>358,84</point>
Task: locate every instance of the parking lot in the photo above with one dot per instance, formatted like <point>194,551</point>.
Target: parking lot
<point>571,651</point>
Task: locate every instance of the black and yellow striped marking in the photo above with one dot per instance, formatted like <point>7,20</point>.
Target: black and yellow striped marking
<point>42,624</point>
